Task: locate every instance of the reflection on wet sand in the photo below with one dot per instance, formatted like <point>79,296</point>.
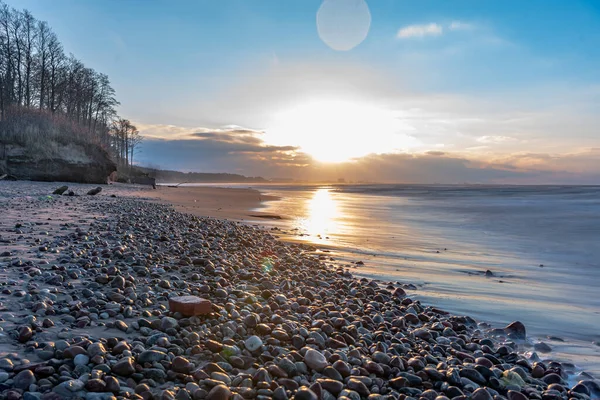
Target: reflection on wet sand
<point>322,215</point>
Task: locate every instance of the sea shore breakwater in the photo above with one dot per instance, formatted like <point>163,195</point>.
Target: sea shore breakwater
<point>85,284</point>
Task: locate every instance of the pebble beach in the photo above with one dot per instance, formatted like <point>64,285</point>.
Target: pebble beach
<point>89,289</point>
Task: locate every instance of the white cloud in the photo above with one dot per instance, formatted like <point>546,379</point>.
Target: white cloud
<point>431,29</point>
<point>460,26</point>
<point>495,139</point>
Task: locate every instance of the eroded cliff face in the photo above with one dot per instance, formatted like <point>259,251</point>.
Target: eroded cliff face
<point>64,163</point>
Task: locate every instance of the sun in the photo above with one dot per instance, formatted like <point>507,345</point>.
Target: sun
<point>334,131</point>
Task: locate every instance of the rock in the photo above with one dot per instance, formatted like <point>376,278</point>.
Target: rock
<point>253,343</point>
<point>305,393</point>
<point>513,395</point>
<point>190,306</point>
<point>315,360</point>
<point>72,351</point>
<point>332,386</point>
<point>120,347</point>
<point>181,365</point>
<point>121,325</point>
<point>516,329</point>
<point>343,368</point>
<point>94,191</point>
<point>150,356</point>
<point>96,349</point>
<point>25,333</point>
<point>168,323</point>
<point>219,392</point>
<point>6,364</point>
<point>24,379</point>
<point>118,282</point>
<point>481,394</point>
<point>112,384</point>
<point>358,386</point>
<point>81,359</point>
<point>124,367</point>
<point>60,190</point>
<point>542,347</point>
<point>512,378</point>
<point>251,320</point>
<point>422,334</point>
<point>74,162</point>
<point>552,378</point>
<point>399,382</point>
<point>68,388</point>
<point>95,385</point>
<point>99,396</point>
<point>280,394</point>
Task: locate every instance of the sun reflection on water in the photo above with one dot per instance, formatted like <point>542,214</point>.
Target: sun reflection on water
<point>322,214</point>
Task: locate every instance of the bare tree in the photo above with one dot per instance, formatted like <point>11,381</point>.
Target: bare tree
<point>135,140</point>
<point>43,50</point>
<point>29,34</point>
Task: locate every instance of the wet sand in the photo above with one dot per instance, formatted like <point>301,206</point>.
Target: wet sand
<point>226,203</point>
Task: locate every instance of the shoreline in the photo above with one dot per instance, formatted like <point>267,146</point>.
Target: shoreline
<point>567,349</point>
<point>269,323</point>
<point>566,345</point>
<point>211,201</point>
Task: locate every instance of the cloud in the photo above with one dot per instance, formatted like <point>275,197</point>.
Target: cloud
<point>487,131</point>
<point>411,31</point>
<point>495,139</point>
<point>227,149</point>
<point>460,26</point>
<point>238,152</point>
<point>226,132</point>
<point>432,29</point>
<point>583,162</point>
<point>435,153</point>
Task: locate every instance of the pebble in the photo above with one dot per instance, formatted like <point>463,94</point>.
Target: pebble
<point>81,359</point>
<point>253,343</point>
<point>24,379</point>
<point>219,392</point>
<point>143,302</point>
<point>315,360</point>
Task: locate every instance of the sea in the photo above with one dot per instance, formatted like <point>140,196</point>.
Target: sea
<point>495,253</point>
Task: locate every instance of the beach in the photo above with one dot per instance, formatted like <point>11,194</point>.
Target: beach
<point>86,284</point>
<point>209,201</point>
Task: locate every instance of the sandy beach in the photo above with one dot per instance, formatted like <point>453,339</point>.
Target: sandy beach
<point>89,282</point>
<point>226,203</point>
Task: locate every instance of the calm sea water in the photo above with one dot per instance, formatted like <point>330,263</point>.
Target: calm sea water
<point>541,243</point>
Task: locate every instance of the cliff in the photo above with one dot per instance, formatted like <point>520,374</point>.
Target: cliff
<point>72,162</point>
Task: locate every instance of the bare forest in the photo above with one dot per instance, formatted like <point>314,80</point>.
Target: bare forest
<point>48,95</point>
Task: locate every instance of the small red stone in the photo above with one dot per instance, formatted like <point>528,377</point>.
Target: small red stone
<point>189,306</point>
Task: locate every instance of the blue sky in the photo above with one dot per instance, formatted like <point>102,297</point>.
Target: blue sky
<point>507,85</point>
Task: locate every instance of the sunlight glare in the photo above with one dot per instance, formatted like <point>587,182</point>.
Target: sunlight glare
<point>322,214</point>
<point>338,131</point>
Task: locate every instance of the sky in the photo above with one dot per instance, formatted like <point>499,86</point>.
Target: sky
<point>441,91</point>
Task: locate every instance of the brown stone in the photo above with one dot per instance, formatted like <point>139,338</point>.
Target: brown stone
<point>25,333</point>
<point>189,306</point>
